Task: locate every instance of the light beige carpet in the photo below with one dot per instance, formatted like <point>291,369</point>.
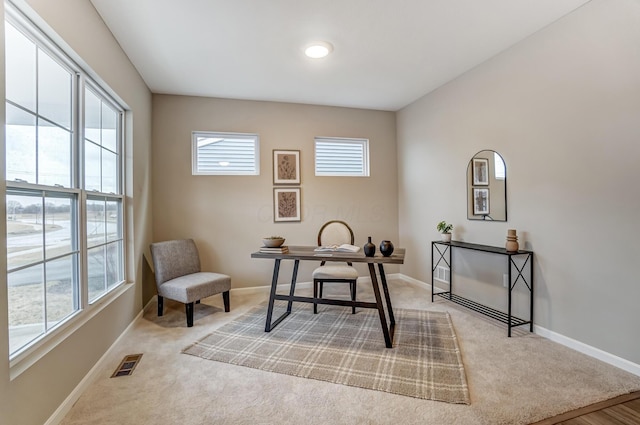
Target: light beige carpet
<point>512,381</point>
<point>344,348</point>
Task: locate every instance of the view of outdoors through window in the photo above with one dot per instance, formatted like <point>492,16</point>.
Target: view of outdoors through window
<point>64,201</point>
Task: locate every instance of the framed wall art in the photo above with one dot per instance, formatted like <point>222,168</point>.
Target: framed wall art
<point>286,167</point>
<point>286,204</point>
<point>481,201</point>
<point>481,171</point>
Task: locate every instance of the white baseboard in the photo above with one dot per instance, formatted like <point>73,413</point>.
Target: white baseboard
<point>88,379</point>
<point>412,280</point>
<point>565,340</point>
<point>589,350</point>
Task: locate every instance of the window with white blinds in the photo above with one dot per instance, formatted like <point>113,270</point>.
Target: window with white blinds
<point>342,157</point>
<point>224,153</point>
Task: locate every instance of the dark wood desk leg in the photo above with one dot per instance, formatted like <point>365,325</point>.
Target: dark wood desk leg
<point>383,319</point>
<point>385,287</point>
<point>294,276</point>
<point>274,284</point>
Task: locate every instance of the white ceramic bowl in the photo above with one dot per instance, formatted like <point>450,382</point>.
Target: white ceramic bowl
<point>272,243</point>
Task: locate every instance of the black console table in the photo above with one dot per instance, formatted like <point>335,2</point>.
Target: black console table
<point>444,251</point>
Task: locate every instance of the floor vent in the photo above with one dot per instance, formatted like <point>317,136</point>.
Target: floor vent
<point>127,365</point>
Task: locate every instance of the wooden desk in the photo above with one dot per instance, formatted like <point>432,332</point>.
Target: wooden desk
<point>307,253</point>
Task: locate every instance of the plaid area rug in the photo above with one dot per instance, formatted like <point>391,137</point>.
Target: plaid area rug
<point>337,346</point>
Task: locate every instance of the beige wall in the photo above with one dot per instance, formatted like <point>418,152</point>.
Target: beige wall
<point>34,395</point>
<point>228,215</point>
<point>563,108</point>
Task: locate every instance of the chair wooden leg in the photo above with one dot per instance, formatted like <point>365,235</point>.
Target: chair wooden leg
<point>315,295</point>
<point>353,296</point>
<point>160,305</point>
<point>225,298</point>
<point>189,308</point>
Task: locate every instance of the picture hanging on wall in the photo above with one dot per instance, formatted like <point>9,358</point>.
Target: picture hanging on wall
<point>481,201</point>
<point>480,171</point>
<point>286,167</point>
<point>286,204</point>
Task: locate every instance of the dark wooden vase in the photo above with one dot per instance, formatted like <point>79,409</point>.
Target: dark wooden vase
<point>386,248</point>
<point>369,248</point>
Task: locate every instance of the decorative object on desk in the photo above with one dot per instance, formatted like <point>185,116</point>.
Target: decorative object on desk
<point>512,241</point>
<point>345,247</point>
<point>386,248</point>
<point>296,349</point>
<point>277,250</point>
<point>369,248</point>
<point>286,204</point>
<point>445,229</point>
<point>286,167</point>
<point>273,241</point>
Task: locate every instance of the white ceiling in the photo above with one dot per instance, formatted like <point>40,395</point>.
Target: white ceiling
<point>386,53</point>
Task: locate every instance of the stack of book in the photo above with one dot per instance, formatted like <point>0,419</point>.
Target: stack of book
<point>279,250</point>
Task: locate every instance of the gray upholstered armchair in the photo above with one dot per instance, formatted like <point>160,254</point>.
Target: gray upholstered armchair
<point>178,276</point>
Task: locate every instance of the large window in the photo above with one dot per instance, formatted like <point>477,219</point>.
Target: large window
<point>64,200</point>
<point>224,153</point>
<point>341,157</point>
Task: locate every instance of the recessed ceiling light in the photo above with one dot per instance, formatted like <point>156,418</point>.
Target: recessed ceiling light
<point>318,49</point>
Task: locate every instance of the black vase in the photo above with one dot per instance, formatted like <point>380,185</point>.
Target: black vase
<point>369,248</point>
<point>386,248</point>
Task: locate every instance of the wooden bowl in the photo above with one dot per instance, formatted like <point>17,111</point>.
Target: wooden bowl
<point>272,243</point>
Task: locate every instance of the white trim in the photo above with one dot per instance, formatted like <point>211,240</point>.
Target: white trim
<point>88,379</point>
<point>594,352</point>
<point>412,280</point>
<point>581,347</point>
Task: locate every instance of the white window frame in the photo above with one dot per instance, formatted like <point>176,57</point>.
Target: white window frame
<point>500,169</point>
<point>195,164</point>
<point>28,354</point>
<point>363,143</point>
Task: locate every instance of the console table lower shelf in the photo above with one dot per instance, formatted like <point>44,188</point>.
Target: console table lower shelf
<point>483,309</point>
<point>517,269</point>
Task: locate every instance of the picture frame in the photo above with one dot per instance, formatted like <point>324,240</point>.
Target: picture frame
<point>481,201</point>
<point>286,166</point>
<point>286,204</point>
<point>481,171</point>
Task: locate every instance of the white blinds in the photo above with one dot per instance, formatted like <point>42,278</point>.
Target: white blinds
<point>341,157</point>
<point>218,153</point>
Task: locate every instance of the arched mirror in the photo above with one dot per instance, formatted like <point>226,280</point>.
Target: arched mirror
<point>487,187</point>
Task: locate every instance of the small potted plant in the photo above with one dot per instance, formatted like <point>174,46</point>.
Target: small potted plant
<point>445,229</point>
